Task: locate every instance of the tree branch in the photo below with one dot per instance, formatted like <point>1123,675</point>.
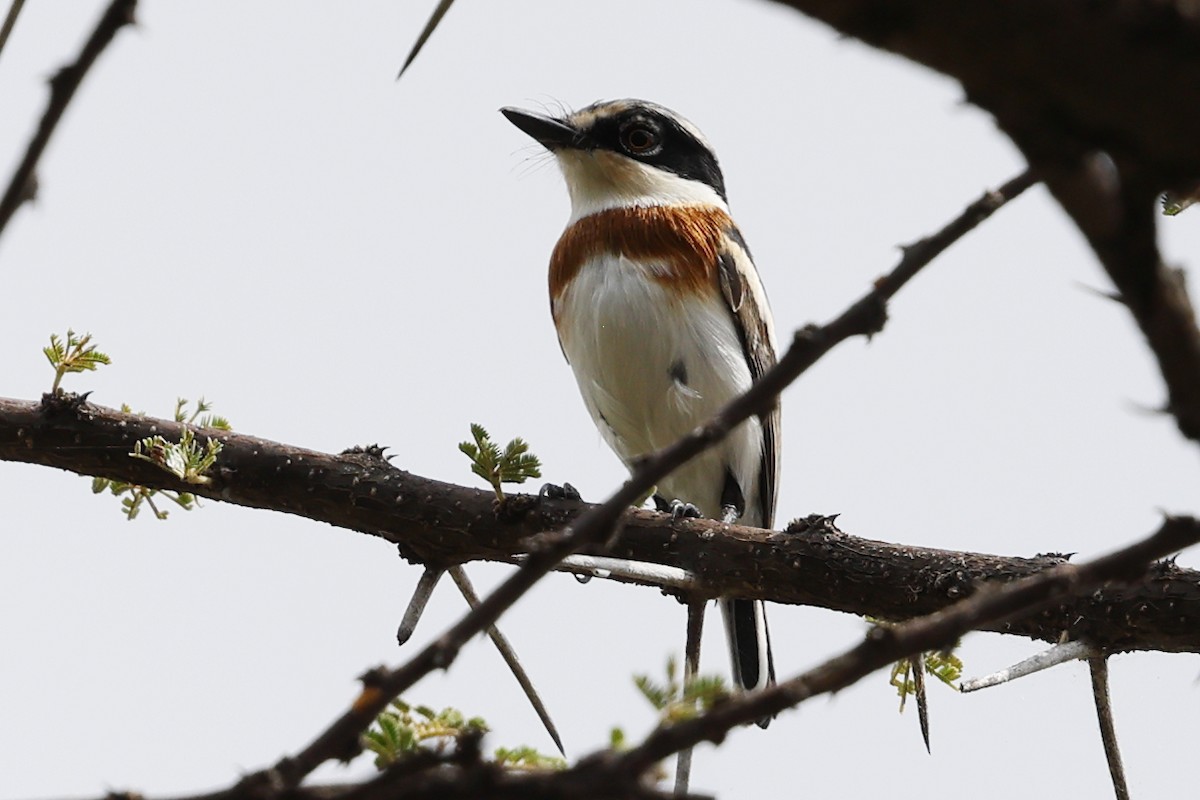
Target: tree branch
<point>23,185</point>
<point>434,523</point>
<point>10,20</point>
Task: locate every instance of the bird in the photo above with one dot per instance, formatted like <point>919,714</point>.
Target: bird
<point>663,319</point>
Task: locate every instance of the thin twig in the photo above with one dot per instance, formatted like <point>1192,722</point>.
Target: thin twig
<point>23,184</point>
<point>416,607</point>
<point>691,668</point>
<point>10,19</point>
<point>1108,731</point>
<point>509,654</point>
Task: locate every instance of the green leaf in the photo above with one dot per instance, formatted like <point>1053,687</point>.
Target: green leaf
<point>403,729</point>
<point>943,665</point>
<point>677,701</point>
<point>659,696</point>
<point>527,758</point>
<point>76,354</point>
<point>184,459</point>
<point>187,459</point>
<point>513,464</point>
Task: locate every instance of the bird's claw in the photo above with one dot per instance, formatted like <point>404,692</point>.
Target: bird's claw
<point>552,491</point>
<point>682,510</point>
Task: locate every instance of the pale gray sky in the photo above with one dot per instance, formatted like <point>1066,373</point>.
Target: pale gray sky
<point>242,203</point>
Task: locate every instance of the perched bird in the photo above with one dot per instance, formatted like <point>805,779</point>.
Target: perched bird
<point>662,317</point>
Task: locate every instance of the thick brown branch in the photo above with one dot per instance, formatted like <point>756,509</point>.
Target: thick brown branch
<point>440,523</point>
<point>23,185</point>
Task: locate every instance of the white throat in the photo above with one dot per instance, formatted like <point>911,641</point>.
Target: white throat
<point>598,180</point>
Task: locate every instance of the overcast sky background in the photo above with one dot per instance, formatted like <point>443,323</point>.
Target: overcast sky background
<point>242,203</point>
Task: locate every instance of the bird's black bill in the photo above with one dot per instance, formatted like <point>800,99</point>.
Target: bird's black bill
<point>549,132</point>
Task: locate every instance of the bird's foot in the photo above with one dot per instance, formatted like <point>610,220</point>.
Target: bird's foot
<point>676,508</point>
<point>552,491</point>
<point>682,510</point>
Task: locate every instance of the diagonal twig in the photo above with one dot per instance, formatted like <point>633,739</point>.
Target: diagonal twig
<point>459,576</point>
<point>10,19</point>
<point>1098,665</point>
<point>23,184</point>
<point>864,317</point>
<point>416,607</point>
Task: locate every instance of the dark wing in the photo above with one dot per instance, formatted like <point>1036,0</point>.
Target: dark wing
<point>752,318</point>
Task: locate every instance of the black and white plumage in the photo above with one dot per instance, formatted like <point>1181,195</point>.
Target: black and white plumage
<point>662,317</point>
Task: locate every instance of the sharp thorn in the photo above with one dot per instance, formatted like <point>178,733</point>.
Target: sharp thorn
<point>416,606</point>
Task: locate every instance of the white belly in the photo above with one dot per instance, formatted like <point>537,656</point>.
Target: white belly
<point>651,367</point>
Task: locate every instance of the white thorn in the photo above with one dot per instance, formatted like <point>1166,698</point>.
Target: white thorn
<point>1058,654</point>
<point>640,571</point>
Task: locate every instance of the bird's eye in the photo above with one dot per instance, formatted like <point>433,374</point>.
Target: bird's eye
<point>640,139</point>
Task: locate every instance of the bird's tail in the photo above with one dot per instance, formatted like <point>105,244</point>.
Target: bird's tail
<point>749,645</point>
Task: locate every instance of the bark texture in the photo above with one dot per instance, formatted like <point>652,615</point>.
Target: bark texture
<point>435,523</point>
